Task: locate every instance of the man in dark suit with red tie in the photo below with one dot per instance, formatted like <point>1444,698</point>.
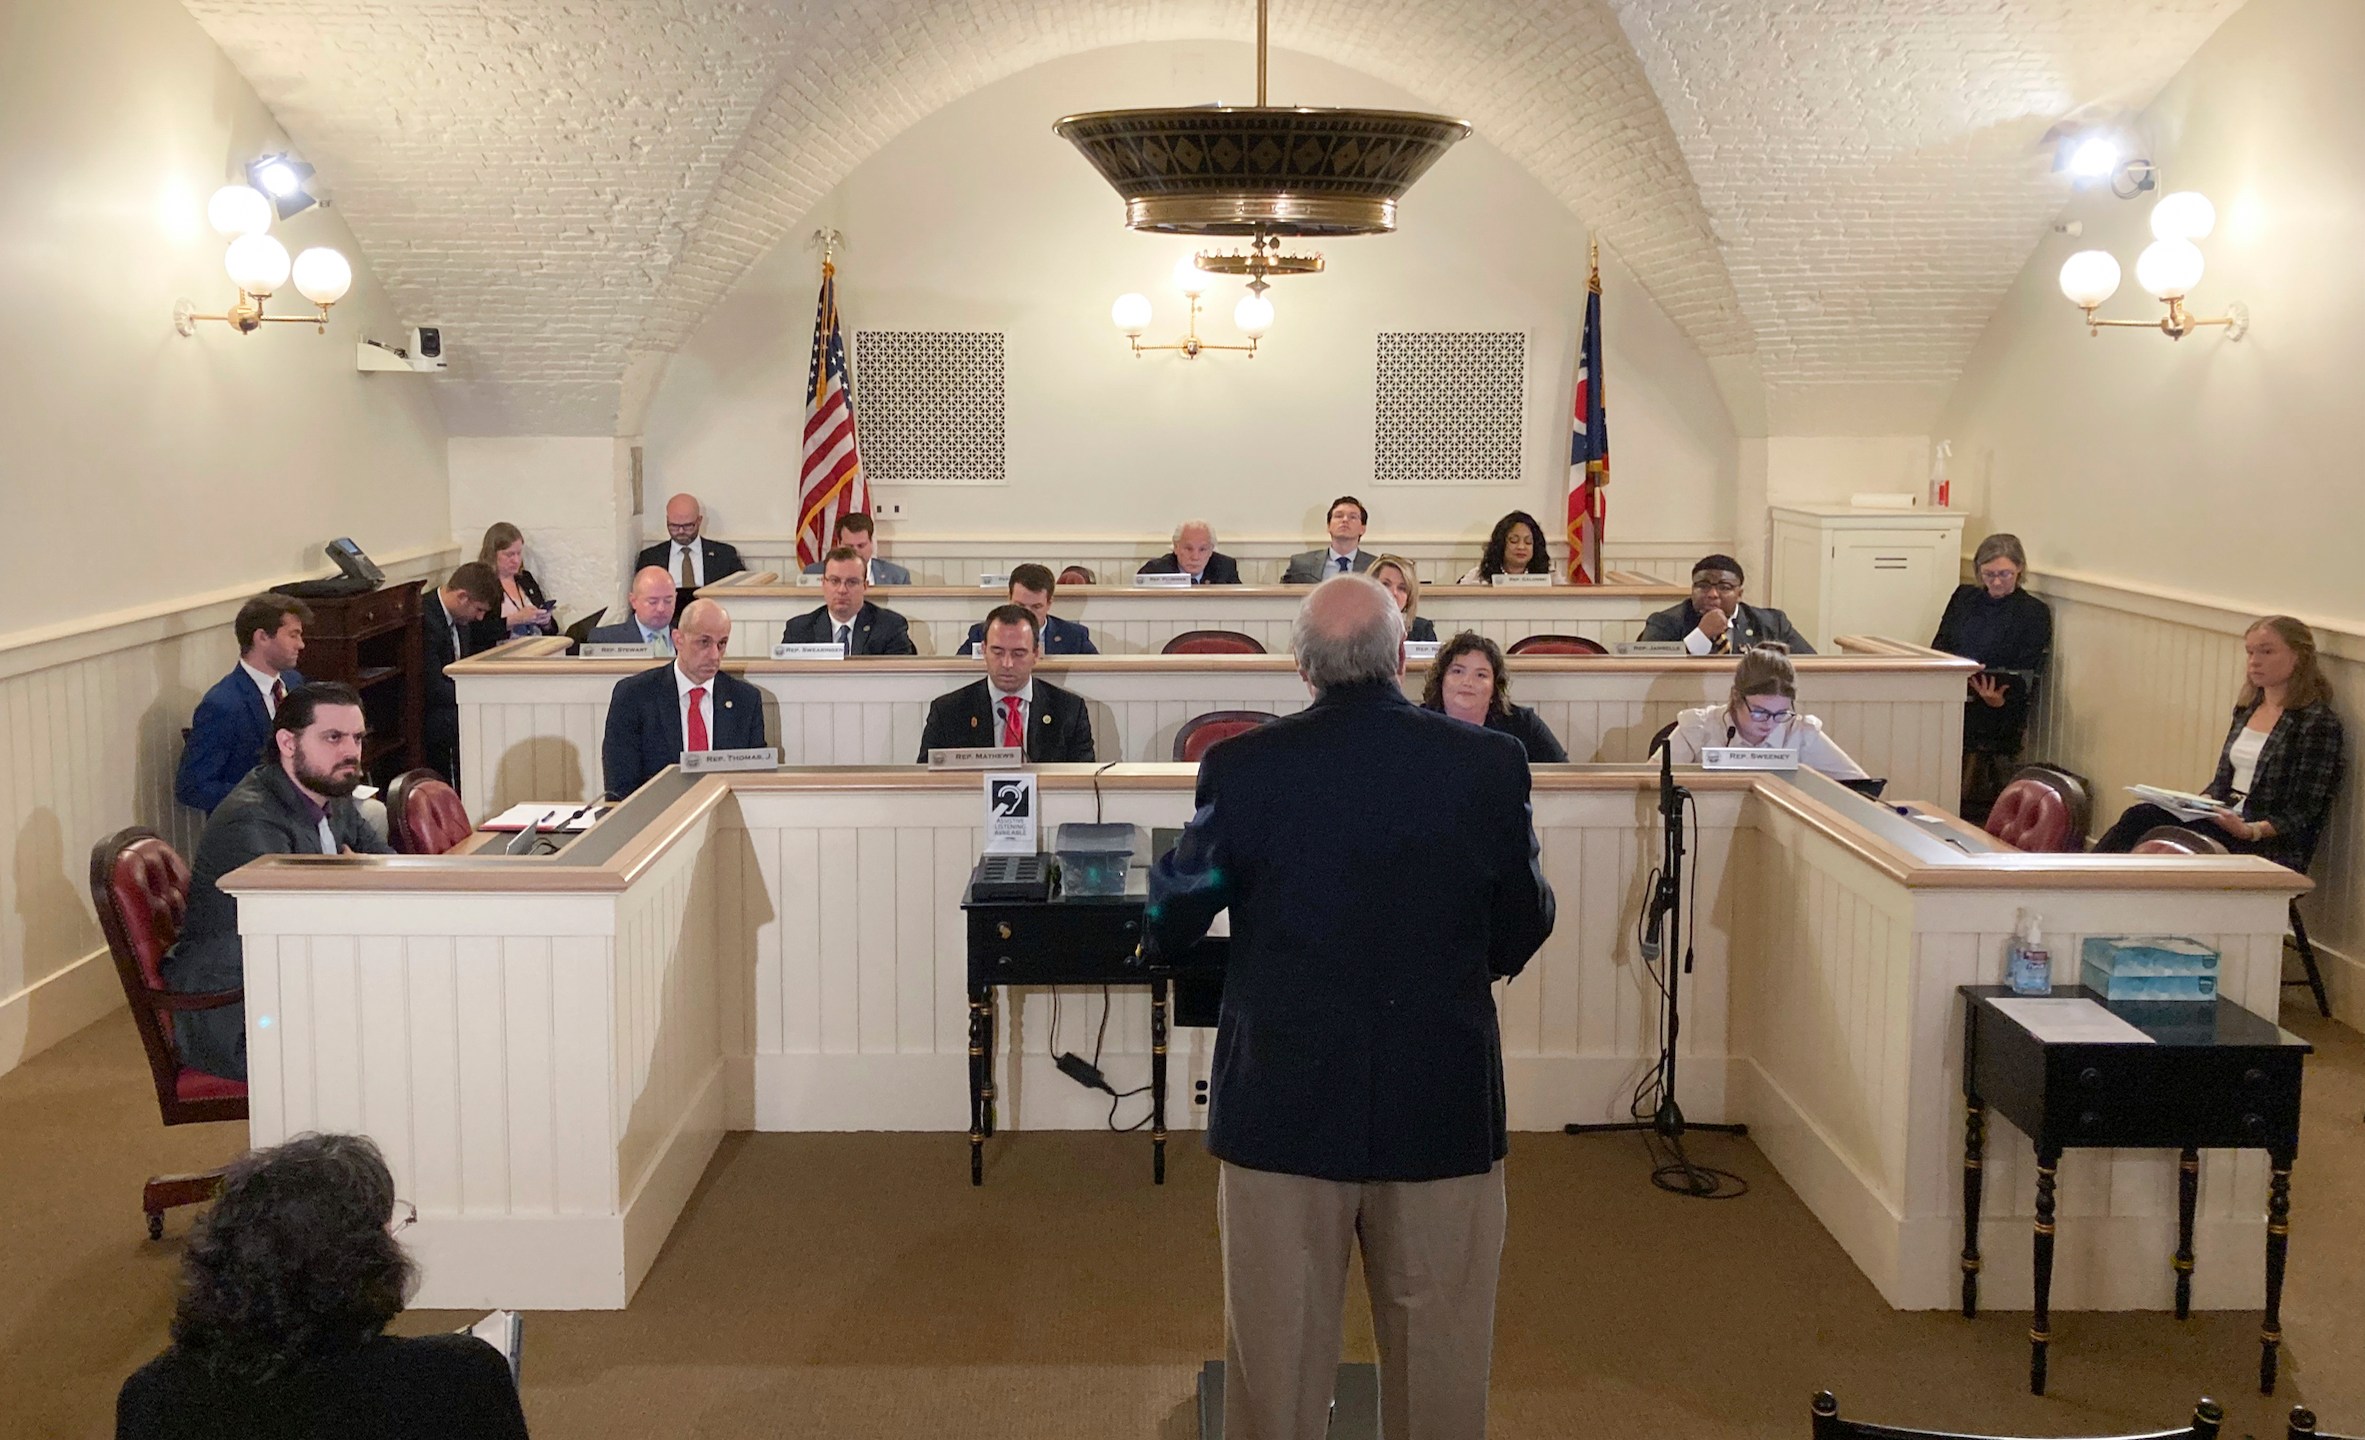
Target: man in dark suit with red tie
<point>233,721</point>
<point>688,705</point>
<point>1010,706</point>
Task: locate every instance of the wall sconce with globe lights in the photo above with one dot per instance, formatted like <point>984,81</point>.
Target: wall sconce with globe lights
<point>2168,269</point>
<point>1253,315</point>
<point>259,265</point>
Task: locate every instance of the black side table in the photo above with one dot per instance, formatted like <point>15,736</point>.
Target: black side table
<point>2214,1077</point>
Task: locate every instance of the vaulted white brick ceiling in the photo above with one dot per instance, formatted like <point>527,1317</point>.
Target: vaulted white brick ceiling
<point>1829,196</point>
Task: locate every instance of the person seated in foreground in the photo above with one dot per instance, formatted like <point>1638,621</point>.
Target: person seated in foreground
<point>1715,622</point>
<point>296,802</point>
<point>1469,681</point>
<point>1010,706</point>
<point>686,554</point>
<point>688,705</point>
<point>279,1333</point>
<point>860,534</point>
<point>2280,765</point>
<point>1032,587</point>
<point>847,618</point>
<point>1397,576</point>
<point>650,621</point>
<point>1515,548</point>
<point>1194,554</point>
<point>1762,714</point>
<point>233,721</point>
<point>1347,520</point>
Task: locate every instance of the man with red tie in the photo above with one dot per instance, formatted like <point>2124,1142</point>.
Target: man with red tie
<point>689,704</point>
<point>233,721</point>
<point>1010,706</point>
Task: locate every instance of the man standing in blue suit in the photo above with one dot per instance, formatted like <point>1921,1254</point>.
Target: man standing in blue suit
<point>234,719</point>
<point>1031,588</point>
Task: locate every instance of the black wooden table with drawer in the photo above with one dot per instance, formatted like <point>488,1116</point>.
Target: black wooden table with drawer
<point>2214,1077</point>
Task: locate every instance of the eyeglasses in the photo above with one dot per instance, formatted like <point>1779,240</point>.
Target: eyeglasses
<point>406,1215</point>
<point>1717,587</point>
<point>2008,572</point>
<point>1767,717</point>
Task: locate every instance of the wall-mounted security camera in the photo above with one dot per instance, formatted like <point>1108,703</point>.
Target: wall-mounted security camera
<point>424,355</point>
<point>427,348</point>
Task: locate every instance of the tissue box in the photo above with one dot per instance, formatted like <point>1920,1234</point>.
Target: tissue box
<point>1093,859</point>
<point>2148,967</point>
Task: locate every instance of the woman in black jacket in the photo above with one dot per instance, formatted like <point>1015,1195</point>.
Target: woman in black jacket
<point>2280,765</point>
<point>1397,576</point>
<point>285,1294</point>
<point>525,610</point>
<point>1467,680</point>
<point>2010,632</point>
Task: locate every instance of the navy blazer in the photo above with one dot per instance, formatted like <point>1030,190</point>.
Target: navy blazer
<point>644,732</point>
<point>1060,637</point>
<point>876,631</point>
<point>1221,569</point>
<point>718,558</point>
<point>1059,727</point>
<point>226,739</point>
<point>1358,1040</point>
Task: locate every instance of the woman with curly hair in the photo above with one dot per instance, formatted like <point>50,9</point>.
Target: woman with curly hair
<point>1515,548</point>
<point>285,1294</point>
<point>1469,681</point>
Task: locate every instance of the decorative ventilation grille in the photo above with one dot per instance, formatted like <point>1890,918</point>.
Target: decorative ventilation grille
<point>1447,407</point>
<point>928,404</point>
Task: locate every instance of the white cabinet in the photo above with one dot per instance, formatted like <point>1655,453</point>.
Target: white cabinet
<point>1839,570</point>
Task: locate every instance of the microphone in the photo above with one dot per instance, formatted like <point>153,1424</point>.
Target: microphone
<point>1652,944</point>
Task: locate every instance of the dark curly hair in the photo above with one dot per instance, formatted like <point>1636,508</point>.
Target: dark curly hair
<point>1491,563</point>
<point>294,1264</point>
<point>1469,642</point>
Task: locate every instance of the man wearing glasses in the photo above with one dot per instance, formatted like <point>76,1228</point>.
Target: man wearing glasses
<point>689,558</point>
<point>1715,622</point>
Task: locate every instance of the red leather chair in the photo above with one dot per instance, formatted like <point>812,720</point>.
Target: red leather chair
<point>140,887</point>
<point>2176,840</point>
<point>2034,815</point>
<point>1556,645</point>
<point>1213,642</point>
<point>1202,733</point>
<point>425,814</point>
<point>1076,575</point>
<point>2076,792</point>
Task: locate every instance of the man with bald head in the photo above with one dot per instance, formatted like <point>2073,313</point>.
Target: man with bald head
<point>1194,554</point>
<point>686,555</point>
<point>1356,1094</point>
<point>651,620</point>
<point>689,704</point>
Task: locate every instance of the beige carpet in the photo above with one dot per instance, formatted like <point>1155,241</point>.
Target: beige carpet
<point>856,1286</point>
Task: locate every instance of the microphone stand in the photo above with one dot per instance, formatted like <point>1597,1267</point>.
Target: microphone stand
<point>1665,908</point>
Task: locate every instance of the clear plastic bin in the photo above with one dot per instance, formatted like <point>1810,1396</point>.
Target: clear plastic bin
<point>1093,859</point>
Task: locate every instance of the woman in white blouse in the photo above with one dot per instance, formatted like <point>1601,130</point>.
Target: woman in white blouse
<point>1763,714</point>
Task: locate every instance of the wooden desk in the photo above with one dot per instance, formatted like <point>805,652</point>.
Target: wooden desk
<point>2214,1077</point>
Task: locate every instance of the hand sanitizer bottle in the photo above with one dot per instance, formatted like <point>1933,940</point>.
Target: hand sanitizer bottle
<point>2030,968</point>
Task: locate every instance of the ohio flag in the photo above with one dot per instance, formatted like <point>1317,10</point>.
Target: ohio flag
<point>1589,449</point>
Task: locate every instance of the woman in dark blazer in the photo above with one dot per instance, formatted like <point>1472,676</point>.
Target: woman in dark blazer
<point>1402,581</point>
<point>2280,765</point>
<point>286,1289</point>
<point>1468,681</point>
<point>524,609</point>
<point>2010,632</point>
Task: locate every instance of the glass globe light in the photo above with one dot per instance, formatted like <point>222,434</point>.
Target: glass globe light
<point>238,210</point>
<point>2169,268</point>
<point>2090,277</point>
<point>322,276</point>
<point>1254,316</point>
<point>257,264</point>
<point>1131,313</point>
<point>1189,278</point>
<point>2185,215</point>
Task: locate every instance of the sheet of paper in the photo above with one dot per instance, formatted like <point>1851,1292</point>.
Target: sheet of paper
<point>545,814</point>
<point>2070,1021</point>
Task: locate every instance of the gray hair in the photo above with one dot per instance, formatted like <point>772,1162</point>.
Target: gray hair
<point>1348,632</point>
<point>1194,525</point>
<point>2000,546</point>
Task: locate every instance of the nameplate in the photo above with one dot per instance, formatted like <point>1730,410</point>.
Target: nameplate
<point>1421,649</point>
<point>809,650</point>
<point>1648,647</point>
<point>615,650</point>
<point>1176,581</point>
<point>701,762</point>
<point>1745,757</point>
<point>1010,825</point>
<point>1514,582</point>
<point>991,757</point>
<point>992,580</point>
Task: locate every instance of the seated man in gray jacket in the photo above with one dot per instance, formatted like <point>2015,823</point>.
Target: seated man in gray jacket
<point>296,802</point>
<point>1715,622</point>
<point>860,534</point>
<point>1344,555</point>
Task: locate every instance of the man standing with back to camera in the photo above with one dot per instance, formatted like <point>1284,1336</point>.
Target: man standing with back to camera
<point>1357,1090</point>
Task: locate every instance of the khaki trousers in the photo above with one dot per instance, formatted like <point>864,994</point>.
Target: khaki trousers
<point>1431,1252</point>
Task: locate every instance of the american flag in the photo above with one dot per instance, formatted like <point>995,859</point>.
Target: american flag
<point>830,486</point>
<point>1589,447</point>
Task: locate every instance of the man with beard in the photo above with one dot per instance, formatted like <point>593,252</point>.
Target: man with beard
<point>296,802</point>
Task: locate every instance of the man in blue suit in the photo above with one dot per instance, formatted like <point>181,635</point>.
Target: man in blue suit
<point>1356,1094</point>
<point>650,622</point>
<point>233,721</point>
<point>688,705</point>
<point>1031,587</point>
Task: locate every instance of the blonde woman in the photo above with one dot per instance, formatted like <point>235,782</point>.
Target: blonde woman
<point>1762,714</point>
<point>1402,581</point>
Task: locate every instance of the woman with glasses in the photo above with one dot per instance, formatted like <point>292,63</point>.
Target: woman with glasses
<point>1715,622</point>
<point>1515,548</point>
<point>1469,681</point>
<point>1762,714</point>
<point>2010,632</point>
<point>285,1293</point>
<point>1397,576</point>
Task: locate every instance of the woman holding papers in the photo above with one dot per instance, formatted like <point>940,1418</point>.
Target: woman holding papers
<point>1762,714</point>
<point>1515,548</point>
<point>1402,581</point>
<point>2280,765</point>
<point>2010,632</point>
<point>1468,681</point>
